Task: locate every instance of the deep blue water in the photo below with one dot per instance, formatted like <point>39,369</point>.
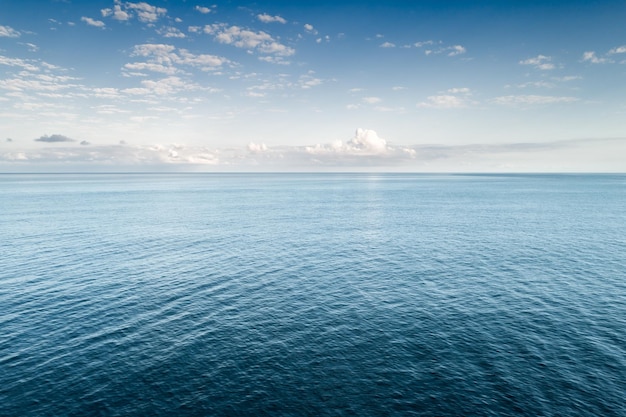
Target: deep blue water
<point>301,294</point>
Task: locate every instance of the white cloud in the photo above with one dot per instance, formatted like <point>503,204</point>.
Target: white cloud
<point>307,81</point>
<point>165,58</point>
<point>456,50</point>
<point>422,44</point>
<point>371,100</point>
<point>364,142</point>
<point>32,47</point>
<point>203,10</point>
<point>443,102</point>
<point>256,147</point>
<point>461,90</point>
<point>398,88</point>
<point>8,32</point>
<point>533,100</point>
<point>145,12</point>
<point>541,62</point>
<point>388,45</point>
<point>17,62</point>
<point>92,22</point>
<point>309,28</point>
<point>590,56</point>
<point>266,18</point>
<point>171,32</point>
<point>618,50</point>
<point>568,78</point>
<point>247,39</point>
<point>536,84</point>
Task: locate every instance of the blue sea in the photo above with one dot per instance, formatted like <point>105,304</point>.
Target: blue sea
<point>312,295</point>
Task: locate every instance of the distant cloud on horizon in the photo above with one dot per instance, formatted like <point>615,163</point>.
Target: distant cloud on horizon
<point>366,150</point>
<point>54,139</point>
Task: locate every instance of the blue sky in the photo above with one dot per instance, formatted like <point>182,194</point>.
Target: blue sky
<point>343,85</point>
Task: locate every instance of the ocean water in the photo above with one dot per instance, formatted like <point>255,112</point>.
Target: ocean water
<point>312,294</point>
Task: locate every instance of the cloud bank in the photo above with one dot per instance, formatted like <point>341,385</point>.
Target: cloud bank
<point>365,151</point>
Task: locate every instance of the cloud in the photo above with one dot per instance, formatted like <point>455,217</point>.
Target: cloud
<point>8,32</point>
<point>456,50</point>
<point>171,32</point>
<point>450,51</point>
<point>256,147</point>
<point>541,62</point>
<point>203,10</point>
<point>422,44</point>
<point>371,100</point>
<point>533,100</point>
<point>618,50</point>
<point>590,56</point>
<point>92,22</point>
<point>266,18</point>
<point>310,29</point>
<point>444,101</point>
<point>85,143</point>
<point>117,13</point>
<point>164,58</point>
<point>248,39</point>
<point>364,142</point>
<point>459,90</point>
<point>145,12</point>
<point>54,139</point>
<point>388,45</point>
<point>365,151</point>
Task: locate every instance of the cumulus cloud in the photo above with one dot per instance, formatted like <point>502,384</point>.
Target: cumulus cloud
<point>117,13</point>
<point>541,62</point>
<point>364,142</point>
<point>590,56</point>
<point>618,50</point>
<point>256,147</point>
<point>145,12</point>
<point>456,50</point>
<point>171,32</point>
<point>54,139</point>
<point>266,18</point>
<point>8,32</point>
<point>310,29</point>
<point>203,10</point>
<point>388,45</point>
<point>248,39</point>
<point>92,22</point>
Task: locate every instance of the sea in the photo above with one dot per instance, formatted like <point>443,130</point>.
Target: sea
<point>348,294</point>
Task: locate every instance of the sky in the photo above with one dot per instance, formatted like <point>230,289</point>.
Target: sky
<point>416,86</point>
